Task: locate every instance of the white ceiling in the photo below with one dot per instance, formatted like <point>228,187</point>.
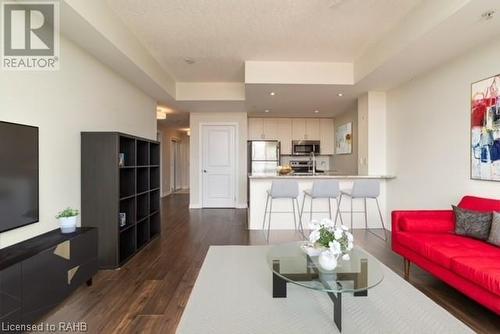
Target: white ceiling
<point>386,43</point>
<point>221,34</point>
<point>299,100</point>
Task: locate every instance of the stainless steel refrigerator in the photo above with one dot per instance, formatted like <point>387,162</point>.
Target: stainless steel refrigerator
<point>263,156</point>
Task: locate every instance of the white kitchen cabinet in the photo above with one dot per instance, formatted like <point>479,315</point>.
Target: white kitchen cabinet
<point>327,137</point>
<point>271,128</point>
<point>284,134</point>
<point>305,129</point>
<point>288,129</point>
<point>256,129</point>
<point>298,129</point>
<point>312,129</point>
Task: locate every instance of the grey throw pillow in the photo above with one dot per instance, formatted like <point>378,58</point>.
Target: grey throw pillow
<point>473,224</point>
<point>494,237</point>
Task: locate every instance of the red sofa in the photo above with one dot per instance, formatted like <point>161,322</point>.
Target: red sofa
<point>427,239</point>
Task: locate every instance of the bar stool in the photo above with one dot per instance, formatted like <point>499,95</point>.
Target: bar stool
<point>322,189</point>
<point>365,189</point>
<point>281,189</point>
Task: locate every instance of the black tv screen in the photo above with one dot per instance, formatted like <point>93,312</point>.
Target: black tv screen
<point>18,175</point>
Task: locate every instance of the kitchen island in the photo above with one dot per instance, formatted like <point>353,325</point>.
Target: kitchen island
<point>282,217</point>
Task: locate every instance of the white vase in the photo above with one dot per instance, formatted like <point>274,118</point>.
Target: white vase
<point>327,260</point>
<point>67,224</point>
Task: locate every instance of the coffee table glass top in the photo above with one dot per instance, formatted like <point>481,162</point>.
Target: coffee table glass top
<point>360,273</point>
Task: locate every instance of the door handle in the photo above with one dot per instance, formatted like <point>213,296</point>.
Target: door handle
<point>204,171</point>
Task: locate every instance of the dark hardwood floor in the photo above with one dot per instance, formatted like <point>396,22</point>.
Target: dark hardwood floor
<point>149,293</point>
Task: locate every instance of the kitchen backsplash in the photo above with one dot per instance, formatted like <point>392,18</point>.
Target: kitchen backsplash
<point>322,162</point>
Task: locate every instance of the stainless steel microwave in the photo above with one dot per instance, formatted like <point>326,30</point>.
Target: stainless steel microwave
<point>305,147</point>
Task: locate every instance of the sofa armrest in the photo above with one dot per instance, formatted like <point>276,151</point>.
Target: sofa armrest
<point>430,221</point>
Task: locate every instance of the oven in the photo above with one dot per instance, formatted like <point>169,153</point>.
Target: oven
<point>305,147</point>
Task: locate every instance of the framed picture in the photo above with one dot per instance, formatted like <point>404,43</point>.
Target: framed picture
<point>343,139</point>
<point>485,129</point>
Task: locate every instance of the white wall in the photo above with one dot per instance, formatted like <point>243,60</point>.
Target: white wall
<point>347,163</point>
<point>363,135</point>
<point>428,122</point>
<point>195,165</point>
<point>83,95</point>
<point>372,134</point>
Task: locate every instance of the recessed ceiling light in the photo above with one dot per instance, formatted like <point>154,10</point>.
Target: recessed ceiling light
<point>272,93</point>
<point>488,15</point>
<point>316,111</point>
<point>161,115</point>
<point>267,110</point>
<point>340,94</point>
<point>189,60</point>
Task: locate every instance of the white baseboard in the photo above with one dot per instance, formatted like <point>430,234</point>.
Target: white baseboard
<point>241,206</point>
<point>195,206</point>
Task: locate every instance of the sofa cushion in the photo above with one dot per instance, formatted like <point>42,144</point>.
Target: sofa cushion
<point>417,242</point>
<point>442,248</point>
<point>429,225</point>
<point>447,249</point>
<point>483,270</point>
<point>494,237</point>
<point>473,224</point>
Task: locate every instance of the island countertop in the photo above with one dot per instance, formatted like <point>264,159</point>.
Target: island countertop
<point>319,176</point>
<point>282,217</point>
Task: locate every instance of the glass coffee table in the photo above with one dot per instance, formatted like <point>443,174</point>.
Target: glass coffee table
<point>289,264</point>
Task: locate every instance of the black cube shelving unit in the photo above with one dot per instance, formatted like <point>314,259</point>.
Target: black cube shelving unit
<point>112,185</point>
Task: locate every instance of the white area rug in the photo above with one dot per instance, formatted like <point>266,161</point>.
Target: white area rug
<point>233,294</point>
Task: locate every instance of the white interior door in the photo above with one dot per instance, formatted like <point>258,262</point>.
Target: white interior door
<point>178,166</point>
<point>218,166</point>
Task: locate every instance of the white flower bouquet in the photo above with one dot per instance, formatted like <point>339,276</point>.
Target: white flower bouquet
<point>329,242</point>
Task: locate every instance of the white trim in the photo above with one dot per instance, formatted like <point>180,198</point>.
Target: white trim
<point>236,162</point>
<point>159,134</point>
<point>242,206</point>
<point>195,206</point>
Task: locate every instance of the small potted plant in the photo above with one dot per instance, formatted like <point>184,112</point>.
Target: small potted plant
<point>329,243</point>
<point>67,220</point>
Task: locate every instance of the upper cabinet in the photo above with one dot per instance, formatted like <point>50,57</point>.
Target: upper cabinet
<point>256,129</point>
<point>312,129</point>
<point>327,138</point>
<point>285,130</point>
<point>298,129</point>
<point>284,133</point>
<point>305,129</point>
<point>271,129</point>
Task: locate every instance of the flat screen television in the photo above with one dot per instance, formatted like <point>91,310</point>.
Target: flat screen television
<point>18,175</point>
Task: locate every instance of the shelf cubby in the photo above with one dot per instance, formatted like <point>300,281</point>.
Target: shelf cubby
<point>142,153</point>
<point>127,206</point>
<point>154,178</point>
<point>154,225</point>
<point>142,233</point>
<point>127,244</point>
<point>109,189</point>
<point>127,147</point>
<point>127,182</point>
<point>154,201</point>
<point>142,179</point>
<point>154,154</point>
<point>142,206</point>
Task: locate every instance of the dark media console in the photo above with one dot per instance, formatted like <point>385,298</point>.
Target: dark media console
<point>39,273</point>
